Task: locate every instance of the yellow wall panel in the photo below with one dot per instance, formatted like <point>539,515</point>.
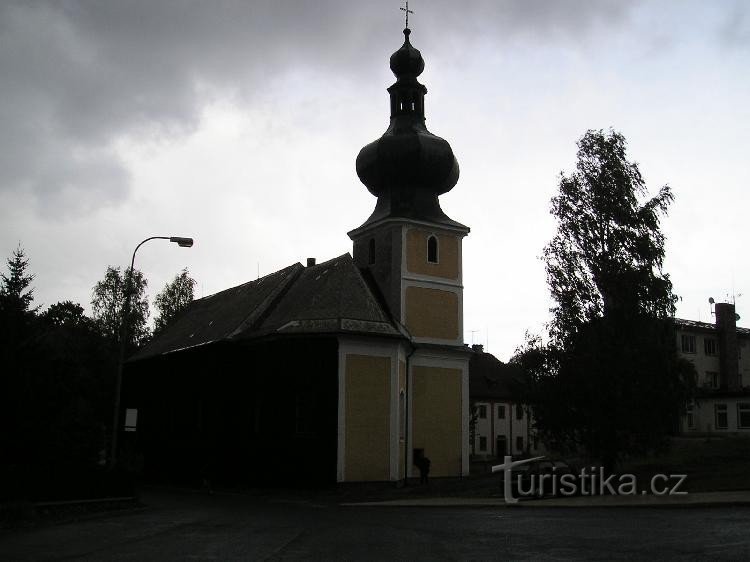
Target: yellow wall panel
<point>367,386</point>
<point>436,407</point>
<point>432,313</point>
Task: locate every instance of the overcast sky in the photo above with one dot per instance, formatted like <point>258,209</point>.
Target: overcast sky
<point>238,123</point>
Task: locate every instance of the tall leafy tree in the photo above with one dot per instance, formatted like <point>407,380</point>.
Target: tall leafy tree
<point>607,255</point>
<point>64,313</point>
<point>108,303</point>
<point>610,378</point>
<point>175,296</point>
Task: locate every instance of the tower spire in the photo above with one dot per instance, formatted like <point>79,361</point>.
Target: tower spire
<point>408,167</point>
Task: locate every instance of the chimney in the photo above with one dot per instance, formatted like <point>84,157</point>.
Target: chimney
<point>478,347</point>
<point>726,328</point>
<point>310,262</point>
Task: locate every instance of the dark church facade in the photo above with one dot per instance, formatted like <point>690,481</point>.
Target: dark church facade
<point>341,371</point>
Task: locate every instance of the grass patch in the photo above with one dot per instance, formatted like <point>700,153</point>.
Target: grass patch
<point>711,464</point>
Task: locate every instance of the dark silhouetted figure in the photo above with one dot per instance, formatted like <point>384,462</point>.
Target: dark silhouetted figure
<point>423,464</point>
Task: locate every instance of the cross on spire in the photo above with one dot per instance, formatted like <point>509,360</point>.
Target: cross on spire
<point>408,11</point>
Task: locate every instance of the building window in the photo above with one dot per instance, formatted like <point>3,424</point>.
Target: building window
<point>743,415</point>
<point>712,379</point>
<point>519,443</point>
<point>432,249</point>
<point>519,412</point>
<point>371,252</point>
<point>690,417</point>
<point>482,412</point>
<point>131,419</point>
<point>501,442</point>
<point>483,444</point>
<point>721,416</point>
<point>710,347</point>
<point>688,343</point>
<point>501,411</point>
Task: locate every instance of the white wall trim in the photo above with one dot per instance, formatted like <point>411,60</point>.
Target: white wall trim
<point>393,415</point>
<point>461,262</point>
<point>432,284</point>
<point>465,415</point>
<point>420,279</point>
<point>367,346</point>
<point>409,445</point>
<point>432,358</point>
<point>402,276</point>
<point>423,225</point>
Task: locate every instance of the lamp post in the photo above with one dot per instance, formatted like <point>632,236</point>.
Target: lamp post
<point>183,243</point>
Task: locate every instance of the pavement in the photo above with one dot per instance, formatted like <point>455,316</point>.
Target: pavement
<point>184,525</point>
<point>699,499</point>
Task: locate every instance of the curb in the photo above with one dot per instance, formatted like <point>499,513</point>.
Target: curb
<point>555,503</point>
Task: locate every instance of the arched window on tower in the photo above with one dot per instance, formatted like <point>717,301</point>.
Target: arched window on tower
<point>432,249</point>
<point>371,252</point>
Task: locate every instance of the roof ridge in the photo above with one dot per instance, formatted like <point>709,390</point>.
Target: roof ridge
<point>246,283</point>
<point>707,325</point>
<point>330,260</point>
<point>256,316</point>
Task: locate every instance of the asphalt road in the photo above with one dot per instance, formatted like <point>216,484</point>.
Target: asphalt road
<point>185,526</point>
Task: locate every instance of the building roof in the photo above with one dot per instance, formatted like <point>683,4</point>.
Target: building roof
<point>704,326</point>
<point>490,378</point>
<point>331,297</point>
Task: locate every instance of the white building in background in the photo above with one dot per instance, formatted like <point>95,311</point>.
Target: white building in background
<point>720,352</point>
<point>502,424</point>
<point>721,355</point>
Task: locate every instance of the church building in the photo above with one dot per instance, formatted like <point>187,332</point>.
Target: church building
<point>341,371</point>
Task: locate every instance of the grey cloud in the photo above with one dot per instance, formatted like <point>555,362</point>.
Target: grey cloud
<point>735,32</point>
<point>79,75</point>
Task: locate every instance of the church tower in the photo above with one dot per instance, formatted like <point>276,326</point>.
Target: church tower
<point>411,250</point>
<point>409,245</point>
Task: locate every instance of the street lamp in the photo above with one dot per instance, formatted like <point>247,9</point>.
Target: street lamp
<point>182,242</point>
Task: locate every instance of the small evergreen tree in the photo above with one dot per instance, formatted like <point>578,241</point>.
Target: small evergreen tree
<point>16,295</point>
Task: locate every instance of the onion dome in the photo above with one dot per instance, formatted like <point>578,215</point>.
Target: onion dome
<point>408,167</point>
<point>407,61</point>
